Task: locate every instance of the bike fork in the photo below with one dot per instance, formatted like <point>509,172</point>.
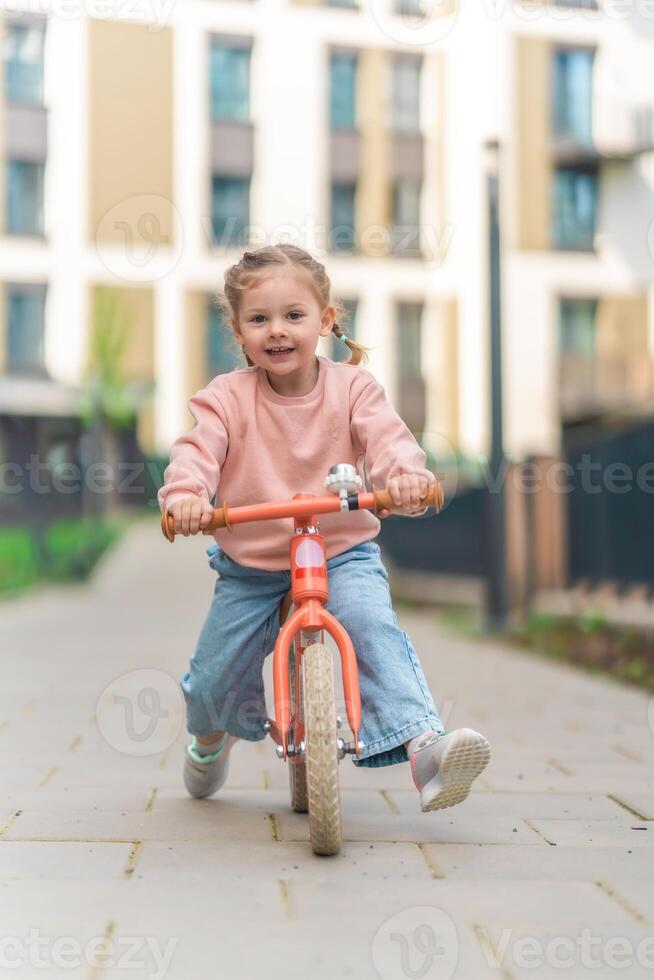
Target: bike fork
<point>296,751</point>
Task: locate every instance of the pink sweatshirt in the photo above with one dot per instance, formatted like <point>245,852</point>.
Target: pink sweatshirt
<point>251,445</point>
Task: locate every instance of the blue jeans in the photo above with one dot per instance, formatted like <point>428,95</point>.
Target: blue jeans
<point>224,689</point>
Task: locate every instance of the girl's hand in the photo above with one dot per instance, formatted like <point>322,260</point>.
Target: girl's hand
<point>191,514</point>
<point>406,491</point>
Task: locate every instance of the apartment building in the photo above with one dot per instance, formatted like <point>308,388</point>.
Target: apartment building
<point>580,259</point>
<point>357,131</point>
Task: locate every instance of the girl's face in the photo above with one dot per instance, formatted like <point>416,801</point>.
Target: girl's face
<point>280,311</point>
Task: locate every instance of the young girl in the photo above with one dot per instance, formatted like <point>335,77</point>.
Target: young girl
<point>269,431</point>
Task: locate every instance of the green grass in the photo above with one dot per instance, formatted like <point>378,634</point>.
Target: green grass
<point>71,548</point>
<point>68,551</point>
<point>19,560</point>
<point>589,642</point>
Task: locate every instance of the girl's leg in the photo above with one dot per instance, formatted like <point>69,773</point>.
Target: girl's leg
<point>223,687</point>
<point>396,703</point>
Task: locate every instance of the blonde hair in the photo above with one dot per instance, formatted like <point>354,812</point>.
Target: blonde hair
<point>241,276</point>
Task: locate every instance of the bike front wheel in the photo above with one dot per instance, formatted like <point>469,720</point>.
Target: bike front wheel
<point>297,769</point>
<point>321,751</point>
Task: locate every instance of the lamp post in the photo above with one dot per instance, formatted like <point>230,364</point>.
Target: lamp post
<point>496,607</point>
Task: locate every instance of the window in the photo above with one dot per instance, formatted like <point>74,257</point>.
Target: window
<point>342,90</point>
<point>222,349</point>
<point>230,209</point>
<point>230,82</point>
<point>25,329</point>
<point>575,207</point>
<point>577,327</point>
<point>578,365</point>
<point>573,94</point>
<point>23,56</point>
<point>406,217</point>
<point>408,8</point>
<point>24,197</point>
<point>341,235</point>
<point>411,384</point>
<point>339,350</point>
<point>409,340</point>
<point>406,94</point>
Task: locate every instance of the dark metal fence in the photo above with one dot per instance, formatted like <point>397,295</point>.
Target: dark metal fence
<point>453,541</point>
<point>611,508</point>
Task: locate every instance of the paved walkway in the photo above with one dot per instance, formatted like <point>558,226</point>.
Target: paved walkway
<point>106,863</point>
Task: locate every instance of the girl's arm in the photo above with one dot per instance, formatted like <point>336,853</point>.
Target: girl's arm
<point>196,458</point>
<point>389,445</point>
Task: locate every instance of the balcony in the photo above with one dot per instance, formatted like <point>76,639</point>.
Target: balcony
<point>622,131</point>
<point>619,131</point>
<point>590,385</point>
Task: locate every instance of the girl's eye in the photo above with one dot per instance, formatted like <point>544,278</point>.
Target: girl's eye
<point>259,317</point>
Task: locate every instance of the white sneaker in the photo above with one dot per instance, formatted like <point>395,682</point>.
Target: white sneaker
<point>444,766</point>
<point>205,774</point>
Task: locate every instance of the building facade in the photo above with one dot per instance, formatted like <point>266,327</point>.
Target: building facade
<point>145,155</point>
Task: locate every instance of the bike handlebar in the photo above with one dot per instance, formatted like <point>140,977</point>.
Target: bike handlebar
<point>227,516</point>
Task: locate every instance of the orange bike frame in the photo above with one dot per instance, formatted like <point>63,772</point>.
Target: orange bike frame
<point>309,591</point>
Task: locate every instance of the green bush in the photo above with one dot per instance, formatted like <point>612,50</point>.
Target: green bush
<point>71,547</point>
<point>18,559</point>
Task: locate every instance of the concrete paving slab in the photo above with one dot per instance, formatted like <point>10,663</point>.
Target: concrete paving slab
<point>641,803</point>
<point>422,827</point>
<point>55,860</point>
<point>566,806</point>
<point>162,864</point>
<point>496,903</point>
<point>517,862</point>
<point>598,833</point>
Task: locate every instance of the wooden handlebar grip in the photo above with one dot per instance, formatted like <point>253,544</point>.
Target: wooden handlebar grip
<point>435,498</point>
<point>219,519</point>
